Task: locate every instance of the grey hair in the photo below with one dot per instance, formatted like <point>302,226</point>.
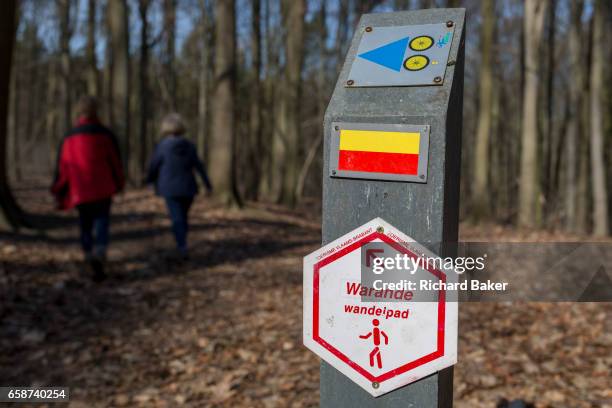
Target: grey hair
<point>173,124</point>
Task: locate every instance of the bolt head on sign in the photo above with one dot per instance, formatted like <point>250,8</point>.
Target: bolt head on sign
<point>378,342</point>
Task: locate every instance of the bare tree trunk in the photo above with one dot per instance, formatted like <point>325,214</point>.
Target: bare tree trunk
<point>485,113</point>
<point>321,99</point>
<point>582,204</point>
<point>276,82</point>
<point>63,8</point>
<point>453,3</point>
<point>400,5</point>
<point>93,82</point>
<point>598,175</point>
<point>30,87</point>
<point>256,111</point>
<point>266,187</point>
<point>51,119</point>
<point>107,71</point>
<point>143,84</point>
<point>14,142</point>
<point>223,114</point>
<point>424,4</point>
<point>322,91</point>
<point>120,72</point>
<point>169,52</point>
<point>529,203</point>
<point>548,142</point>
<point>203,78</point>
<point>576,56</point>
<point>584,182</point>
<point>10,215</point>
<point>341,32</point>
<point>496,152</point>
<point>294,50</point>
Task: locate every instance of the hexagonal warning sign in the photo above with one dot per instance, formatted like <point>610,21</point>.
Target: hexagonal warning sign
<point>382,339</point>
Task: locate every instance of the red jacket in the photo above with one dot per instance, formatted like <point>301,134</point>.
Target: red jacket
<point>89,165</point>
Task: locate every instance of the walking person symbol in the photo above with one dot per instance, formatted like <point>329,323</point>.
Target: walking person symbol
<point>376,332</point>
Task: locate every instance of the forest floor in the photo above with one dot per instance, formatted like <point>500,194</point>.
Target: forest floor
<point>224,328</point>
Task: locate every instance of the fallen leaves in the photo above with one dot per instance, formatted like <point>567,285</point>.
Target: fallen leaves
<point>224,329</point>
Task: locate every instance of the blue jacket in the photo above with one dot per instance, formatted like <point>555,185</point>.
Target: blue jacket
<point>171,168</point>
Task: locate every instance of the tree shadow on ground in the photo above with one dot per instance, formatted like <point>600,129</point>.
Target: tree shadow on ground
<point>48,307</point>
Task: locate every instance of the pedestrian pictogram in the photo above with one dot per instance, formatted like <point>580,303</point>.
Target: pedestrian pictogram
<point>375,334</point>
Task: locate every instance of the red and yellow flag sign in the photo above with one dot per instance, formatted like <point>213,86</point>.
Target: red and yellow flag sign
<point>375,151</point>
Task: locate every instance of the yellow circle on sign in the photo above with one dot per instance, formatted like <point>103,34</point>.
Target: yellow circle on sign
<point>421,43</point>
<point>416,63</point>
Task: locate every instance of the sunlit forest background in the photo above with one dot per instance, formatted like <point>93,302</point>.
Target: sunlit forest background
<point>253,78</point>
<point>224,327</point>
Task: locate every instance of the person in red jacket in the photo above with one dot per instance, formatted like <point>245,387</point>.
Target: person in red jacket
<point>88,173</point>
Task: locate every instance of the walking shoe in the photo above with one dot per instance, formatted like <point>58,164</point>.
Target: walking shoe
<point>97,266</point>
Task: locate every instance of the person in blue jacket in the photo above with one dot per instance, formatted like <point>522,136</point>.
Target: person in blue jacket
<point>172,171</point>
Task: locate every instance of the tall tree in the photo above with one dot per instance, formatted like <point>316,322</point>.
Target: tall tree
<point>576,57</point>
<point>424,4</point>
<point>529,191</point>
<point>51,118</point>
<point>223,114</point>
<point>583,202</point>
<point>10,215</point>
<point>93,82</point>
<point>294,11</point>
<point>321,101</point>
<point>548,141</point>
<point>170,53</point>
<point>204,76</point>
<point>400,5</point>
<point>143,83</point>
<point>256,105</point>
<point>342,28</point>
<point>485,112</point>
<point>14,121</point>
<point>272,146</point>
<point>117,14</point>
<point>65,29</point>
<point>598,167</point>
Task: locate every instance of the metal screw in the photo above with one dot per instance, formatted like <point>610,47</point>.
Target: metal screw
<point>380,230</point>
<point>449,23</point>
<point>422,177</point>
<point>336,127</point>
<point>368,29</point>
<point>350,82</point>
<point>334,172</point>
<point>375,385</point>
<point>437,79</point>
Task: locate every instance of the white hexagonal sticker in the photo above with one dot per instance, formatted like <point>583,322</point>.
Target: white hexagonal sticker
<point>381,339</point>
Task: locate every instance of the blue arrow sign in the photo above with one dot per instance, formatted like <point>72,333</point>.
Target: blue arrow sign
<point>389,55</point>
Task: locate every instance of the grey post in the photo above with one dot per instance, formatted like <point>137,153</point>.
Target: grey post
<point>428,212</point>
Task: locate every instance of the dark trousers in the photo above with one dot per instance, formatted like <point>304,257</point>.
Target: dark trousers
<point>94,216</point>
<point>178,209</point>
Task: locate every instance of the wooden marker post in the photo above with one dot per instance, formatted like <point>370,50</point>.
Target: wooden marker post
<point>408,70</point>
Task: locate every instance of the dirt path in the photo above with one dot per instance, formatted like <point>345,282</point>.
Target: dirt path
<point>224,328</point>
